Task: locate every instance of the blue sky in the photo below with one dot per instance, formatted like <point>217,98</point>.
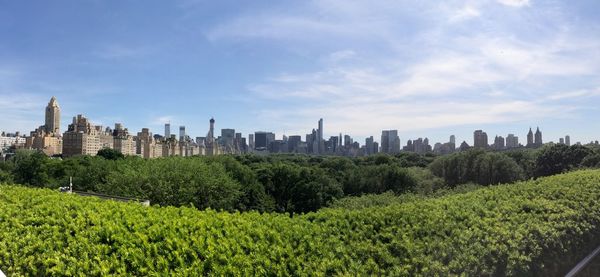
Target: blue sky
<point>426,68</point>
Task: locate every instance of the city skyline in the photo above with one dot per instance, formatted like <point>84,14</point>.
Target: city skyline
<point>425,69</point>
<point>390,142</point>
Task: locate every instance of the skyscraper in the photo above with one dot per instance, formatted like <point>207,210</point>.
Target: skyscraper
<point>530,138</point>
<point>251,141</point>
<point>390,141</point>
<point>512,141</point>
<point>181,133</point>
<point>260,141</point>
<point>568,140</point>
<point>480,139</point>
<point>52,124</point>
<point>320,142</point>
<point>167,130</point>
<point>499,143</point>
<point>370,146</point>
<point>453,139</point>
<point>538,138</point>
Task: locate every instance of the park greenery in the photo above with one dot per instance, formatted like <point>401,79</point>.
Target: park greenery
<point>538,227</point>
<point>288,183</point>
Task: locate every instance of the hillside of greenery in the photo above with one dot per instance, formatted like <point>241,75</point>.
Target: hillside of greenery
<point>538,227</point>
<point>287,183</point>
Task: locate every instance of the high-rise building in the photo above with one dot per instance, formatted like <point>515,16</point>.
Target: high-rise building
<point>499,143</point>
<point>52,124</point>
<point>390,141</point>
<point>370,146</point>
<point>480,139</point>
<point>212,148</point>
<point>419,145</point>
<point>181,133</point>
<point>320,142</point>
<point>294,143</point>
<point>83,138</point>
<point>227,140</point>
<point>146,146</point>
<point>251,141</point>
<point>512,141</point>
<point>122,141</point>
<point>561,141</point>
<point>568,140</point>
<point>530,138</point>
<point>538,138</point>
<point>347,141</point>
<point>261,141</point>
<point>453,139</point>
<point>47,138</point>
<point>167,130</point>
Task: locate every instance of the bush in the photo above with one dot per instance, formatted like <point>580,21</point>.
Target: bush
<point>534,228</point>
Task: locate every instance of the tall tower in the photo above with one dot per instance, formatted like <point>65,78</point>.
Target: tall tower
<point>167,130</point>
<point>211,130</point>
<point>181,133</point>
<point>538,137</point>
<point>320,142</point>
<point>52,117</point>
<point>530,138</point>
<point>568,140</point>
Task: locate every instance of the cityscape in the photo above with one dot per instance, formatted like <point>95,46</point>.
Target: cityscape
<point>84,138</point>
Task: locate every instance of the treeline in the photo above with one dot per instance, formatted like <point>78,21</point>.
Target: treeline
<point>488,168</point>
<point>286,183</point>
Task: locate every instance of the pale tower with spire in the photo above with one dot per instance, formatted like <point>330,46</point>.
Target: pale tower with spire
<point>52,125</point>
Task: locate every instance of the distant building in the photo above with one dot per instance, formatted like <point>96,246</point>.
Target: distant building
<point>320,142</point>
<point>420,146</point>
<point>498,143</point>
<point>390,141</point>
<point>530,138</point>
<point>294,144</point>
<point>83,138</point>
<point>167,130</point>
<point>122,141</point>
<point>146,146</point>
<point>512,141</point>
<point>464,146</point>
<point>370,146</point>
<point>52,123</point>
<point>538,138</point>
<point>181,133</point>
<point>568,140</point>
<point>261,141</point>
<point>480,139</point>
<point>47,138</point>
<point>251,141</point>
<point>10,141</point>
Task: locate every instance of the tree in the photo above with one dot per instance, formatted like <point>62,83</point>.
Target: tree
<point>110,154</point>
<point>31,168</point>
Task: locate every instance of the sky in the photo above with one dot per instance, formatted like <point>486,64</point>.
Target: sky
<point>426,68</point>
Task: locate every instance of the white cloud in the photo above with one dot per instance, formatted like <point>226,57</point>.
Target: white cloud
<point>425,74</point>
<point>514,3</point>
<point>466,13</point>
<point>573,95</point>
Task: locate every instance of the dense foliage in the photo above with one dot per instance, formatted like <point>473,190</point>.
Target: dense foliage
<point>532,228</point>
<point>287,183</point>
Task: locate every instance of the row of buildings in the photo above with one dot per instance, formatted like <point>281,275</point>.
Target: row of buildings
<point>84,138</point>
